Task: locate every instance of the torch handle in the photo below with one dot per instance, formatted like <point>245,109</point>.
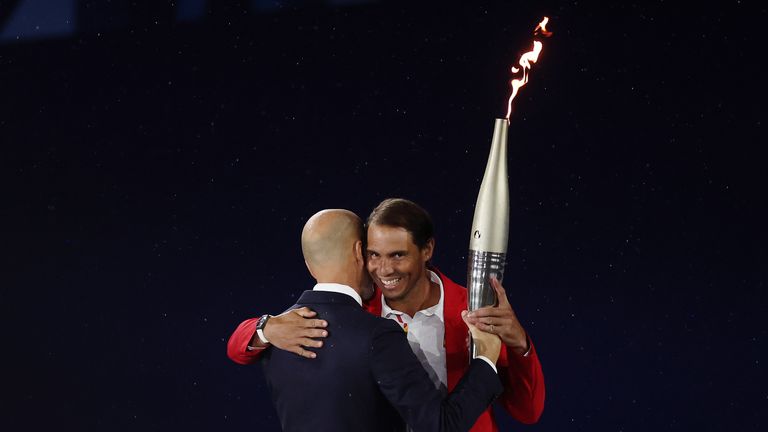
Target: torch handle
<point>481,266</point>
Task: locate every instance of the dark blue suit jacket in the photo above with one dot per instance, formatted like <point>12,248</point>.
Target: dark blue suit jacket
<point>366,378</point>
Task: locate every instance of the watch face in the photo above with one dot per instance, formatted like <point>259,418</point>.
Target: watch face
<point>262,322</point>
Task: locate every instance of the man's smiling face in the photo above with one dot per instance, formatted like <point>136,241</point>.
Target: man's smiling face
<point>395,263</point>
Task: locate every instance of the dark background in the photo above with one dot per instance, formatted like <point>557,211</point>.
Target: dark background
<point>158,170</point>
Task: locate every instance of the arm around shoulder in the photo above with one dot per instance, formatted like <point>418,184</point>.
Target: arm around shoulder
<point>293,330</point>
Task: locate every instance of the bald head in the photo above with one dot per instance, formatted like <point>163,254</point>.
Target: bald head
<point>328,239</point>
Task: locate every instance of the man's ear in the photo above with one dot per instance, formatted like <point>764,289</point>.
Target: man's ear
<point>310,269</point>
<point>359,252</point>
<point>429,249</point>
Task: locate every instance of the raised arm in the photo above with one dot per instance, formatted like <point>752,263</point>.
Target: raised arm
<point>293,331</point>
<point>519,366</point>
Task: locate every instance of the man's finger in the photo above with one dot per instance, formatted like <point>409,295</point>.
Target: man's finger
<point>487,328</point>
<point>474,329</point>
<point>488,311</point>
<point>315,323</point>
<point>307,342</point>
<point>304,353</point>
<point>465,317</point>
<point>501,293</point>
<point>489,321</point>
<point>316,333</point>
<point>305,312</point>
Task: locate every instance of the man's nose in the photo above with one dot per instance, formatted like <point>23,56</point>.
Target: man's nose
<point>385,267</point>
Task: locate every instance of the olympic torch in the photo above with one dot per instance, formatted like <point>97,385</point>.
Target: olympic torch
<point>490,226</point>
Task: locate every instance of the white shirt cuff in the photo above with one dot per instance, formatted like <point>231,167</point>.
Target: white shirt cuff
<point>487,360</point>
<point>253,348</point>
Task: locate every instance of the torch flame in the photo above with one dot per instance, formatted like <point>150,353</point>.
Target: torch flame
<point>525,61</point>
<point>542,28</point>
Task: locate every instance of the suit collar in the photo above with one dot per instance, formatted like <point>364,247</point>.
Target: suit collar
<point>326,297</point>
<point>339,288</point>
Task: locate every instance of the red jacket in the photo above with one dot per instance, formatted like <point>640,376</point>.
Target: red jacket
<point>523,381</point>
<point>523,396</point>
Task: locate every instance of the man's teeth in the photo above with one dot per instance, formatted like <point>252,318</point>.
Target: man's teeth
<point>390,282</point>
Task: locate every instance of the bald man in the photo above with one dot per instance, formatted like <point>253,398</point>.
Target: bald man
<point>368,378</point>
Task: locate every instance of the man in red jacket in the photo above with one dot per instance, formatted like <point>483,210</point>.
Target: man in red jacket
<point>427,305</point>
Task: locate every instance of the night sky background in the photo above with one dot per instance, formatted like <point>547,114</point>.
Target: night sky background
<point>159,162</point>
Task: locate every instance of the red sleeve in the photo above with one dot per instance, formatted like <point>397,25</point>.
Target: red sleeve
<point>523,380</point>
<point>237,347</point>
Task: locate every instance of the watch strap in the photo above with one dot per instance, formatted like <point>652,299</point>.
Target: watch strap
<point>260,328</point>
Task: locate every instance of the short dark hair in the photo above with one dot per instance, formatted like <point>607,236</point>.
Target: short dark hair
<point>401,213</point>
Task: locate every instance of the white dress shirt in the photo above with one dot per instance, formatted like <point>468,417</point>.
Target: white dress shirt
<point>339,288</point>
<point>426,335</point>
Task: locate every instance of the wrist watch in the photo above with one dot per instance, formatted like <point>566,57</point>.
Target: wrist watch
<point>260,328</point>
